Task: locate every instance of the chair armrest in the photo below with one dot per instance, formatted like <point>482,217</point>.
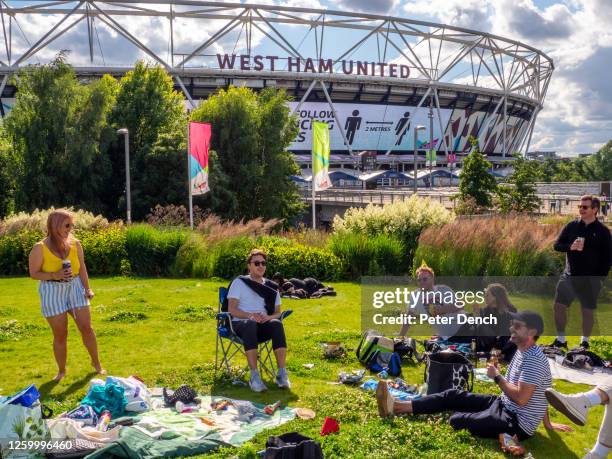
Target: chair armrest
<point>285,314</point>
<point>225,317</point>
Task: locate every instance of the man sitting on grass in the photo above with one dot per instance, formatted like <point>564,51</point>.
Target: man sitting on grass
<point>518,411</point>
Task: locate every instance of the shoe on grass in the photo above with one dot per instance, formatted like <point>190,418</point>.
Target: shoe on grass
<point>572,406</point>
<point>256,384</point>
<point>584,344</point>
<point>559,344</point>
<point>384,400</point>
<point>282,379</point>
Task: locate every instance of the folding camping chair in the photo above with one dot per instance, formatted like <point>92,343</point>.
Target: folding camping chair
<point>231,344</point>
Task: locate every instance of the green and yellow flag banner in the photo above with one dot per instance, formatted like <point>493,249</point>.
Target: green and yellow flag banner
<point>430,157</point>
<point>320,156</point>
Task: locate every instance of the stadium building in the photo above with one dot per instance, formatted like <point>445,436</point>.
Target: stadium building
<point>378,81</point>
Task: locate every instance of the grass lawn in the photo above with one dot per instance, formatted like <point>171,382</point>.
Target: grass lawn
<point>172,341</point>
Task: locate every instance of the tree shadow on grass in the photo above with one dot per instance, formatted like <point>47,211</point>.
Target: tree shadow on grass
<point>539,445</point>
<point>552,442</point>
<point>234,385</point>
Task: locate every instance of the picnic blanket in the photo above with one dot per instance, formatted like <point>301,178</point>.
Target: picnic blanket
<point>166,433</point>
<point>370,385</point>
<point>592,377</point>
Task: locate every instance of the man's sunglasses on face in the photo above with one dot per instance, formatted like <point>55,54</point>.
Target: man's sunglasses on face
<point>580,206</point>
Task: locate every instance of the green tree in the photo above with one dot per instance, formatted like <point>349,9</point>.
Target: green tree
<point>476,183</point>
<point>598,167</point>
<point>56,128</point>
<point>520,195</point>
<point>7,178</point>
<point>250,133</point>
<point>152,111</point>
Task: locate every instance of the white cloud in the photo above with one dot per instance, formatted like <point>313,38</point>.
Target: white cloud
<point>576,34</point>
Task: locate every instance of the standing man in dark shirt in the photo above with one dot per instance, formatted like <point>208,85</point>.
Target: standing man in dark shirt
<point>588,248</point>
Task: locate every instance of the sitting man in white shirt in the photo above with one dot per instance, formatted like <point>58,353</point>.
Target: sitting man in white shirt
<point>255,308</point>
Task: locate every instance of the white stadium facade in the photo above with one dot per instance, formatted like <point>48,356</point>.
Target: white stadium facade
<point>373,78</point>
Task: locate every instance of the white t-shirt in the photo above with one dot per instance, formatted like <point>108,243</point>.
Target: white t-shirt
<point>248,300</point>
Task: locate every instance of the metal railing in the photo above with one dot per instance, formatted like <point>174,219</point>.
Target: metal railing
<point>550,204</point>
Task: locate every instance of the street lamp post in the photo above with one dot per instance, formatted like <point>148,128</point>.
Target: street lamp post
<point>414,156</point>
<point>126,137</point>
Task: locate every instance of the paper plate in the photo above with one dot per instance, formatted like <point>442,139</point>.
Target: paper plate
<point>305,413</point>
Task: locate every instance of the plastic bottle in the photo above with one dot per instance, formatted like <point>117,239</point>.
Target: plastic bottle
<point>104,421</point>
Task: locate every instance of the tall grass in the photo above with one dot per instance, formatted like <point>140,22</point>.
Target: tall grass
<point>215,230</point>
<point>307,236</point>
<point>37,221</point>
<point>152,251</point>
<point>495,246</point>
<point>362,255</point>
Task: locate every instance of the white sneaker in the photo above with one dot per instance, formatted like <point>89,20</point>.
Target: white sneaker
<point>384,400</point>
<point>256,384</point>
<point>573,406</point>
<point>282,379</point>
<point>591,455</point>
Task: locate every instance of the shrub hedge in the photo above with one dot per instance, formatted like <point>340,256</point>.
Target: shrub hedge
<point>369,256</point>
<point>403,220</point>
<point>509,246</point>
<point>152,251</point>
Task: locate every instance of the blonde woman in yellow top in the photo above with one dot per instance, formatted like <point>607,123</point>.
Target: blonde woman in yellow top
<point>64,287</point>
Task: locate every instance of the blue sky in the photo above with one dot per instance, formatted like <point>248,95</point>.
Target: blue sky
<point>577,114</point>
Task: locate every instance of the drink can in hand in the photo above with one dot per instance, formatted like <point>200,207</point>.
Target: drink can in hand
<point>66,265</point>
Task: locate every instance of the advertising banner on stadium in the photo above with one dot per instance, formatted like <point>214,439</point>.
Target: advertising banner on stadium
<point>367,126</point>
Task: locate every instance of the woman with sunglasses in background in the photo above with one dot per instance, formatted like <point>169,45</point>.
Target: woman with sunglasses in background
<point>254,305</point>
<point>58,263</point>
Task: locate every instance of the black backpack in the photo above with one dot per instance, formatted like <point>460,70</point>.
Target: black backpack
<point>292,445</point>
<point>448,370</point>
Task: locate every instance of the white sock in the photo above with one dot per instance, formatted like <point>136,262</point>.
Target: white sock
<point>561,337</point>
<point>601,450</point>
<point>593,397</point>
<point>584,338</point>
<point>254,373</point>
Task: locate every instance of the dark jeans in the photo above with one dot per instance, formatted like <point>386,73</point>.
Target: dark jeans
<point>253,333</point>
<point>482,415</point>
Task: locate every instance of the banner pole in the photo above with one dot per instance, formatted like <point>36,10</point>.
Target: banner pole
<point>189,178</point>
<point>312,185</point>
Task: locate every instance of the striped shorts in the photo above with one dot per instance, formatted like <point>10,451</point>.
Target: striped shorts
<point>60,297</point>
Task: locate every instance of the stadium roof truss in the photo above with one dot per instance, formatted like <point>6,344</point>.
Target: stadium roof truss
<point>442,59</point>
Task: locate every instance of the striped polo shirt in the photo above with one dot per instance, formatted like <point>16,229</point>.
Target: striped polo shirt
<point>530,366</point>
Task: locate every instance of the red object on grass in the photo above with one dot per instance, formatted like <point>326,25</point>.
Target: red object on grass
<point>330,425</point>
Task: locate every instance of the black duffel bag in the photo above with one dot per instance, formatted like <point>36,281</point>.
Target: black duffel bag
<point>448,370</point>
<point>292,445</point>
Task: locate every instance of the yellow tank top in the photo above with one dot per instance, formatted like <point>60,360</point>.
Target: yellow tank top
<point>51,263</point>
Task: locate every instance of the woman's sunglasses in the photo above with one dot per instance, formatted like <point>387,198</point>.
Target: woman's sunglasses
<point>69,225</point>
<point>259,263</point>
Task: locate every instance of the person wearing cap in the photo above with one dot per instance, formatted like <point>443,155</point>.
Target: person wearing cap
<point>588,256</point>
<point>520,408</point>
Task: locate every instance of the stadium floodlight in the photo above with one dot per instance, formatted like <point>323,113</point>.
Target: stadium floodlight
<point>126,137</point>
<point>414,156</point>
